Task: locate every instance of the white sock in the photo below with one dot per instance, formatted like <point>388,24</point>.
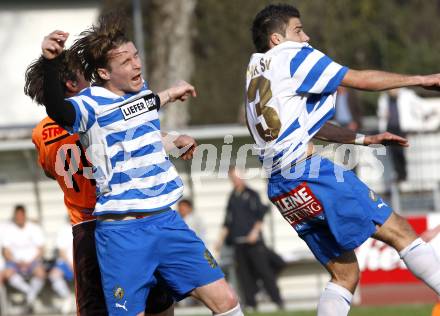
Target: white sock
<point>59,286</point>
<point>17,281</point>
<point>334,301</point>
<point>36,286</point>
<point>236,311</point>
<point>422,261</point>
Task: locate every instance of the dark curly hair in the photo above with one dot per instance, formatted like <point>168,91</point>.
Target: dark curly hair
<point>185,201</point>
<point>273,18</point>
<point>68,66</point>
<point>93,46</point>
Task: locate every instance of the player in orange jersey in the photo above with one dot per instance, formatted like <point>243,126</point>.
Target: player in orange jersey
<point>79,194</point>
<point>62,158</point>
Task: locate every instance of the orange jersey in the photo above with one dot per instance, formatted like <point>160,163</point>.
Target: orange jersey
<point>63,158</point>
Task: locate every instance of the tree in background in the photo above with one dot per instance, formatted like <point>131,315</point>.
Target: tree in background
<point>208,42</point>
<point>168,31</point>
<point>170,56</point>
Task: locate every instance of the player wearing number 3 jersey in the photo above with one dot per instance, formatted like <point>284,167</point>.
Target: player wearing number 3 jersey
<point>291,90</point>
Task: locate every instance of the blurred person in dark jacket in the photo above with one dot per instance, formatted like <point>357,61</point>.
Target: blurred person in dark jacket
<point>242,230</point>
<point>390,119</point>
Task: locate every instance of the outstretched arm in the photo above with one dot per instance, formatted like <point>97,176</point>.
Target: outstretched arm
<point>375,80</point>
<point>181,91</point>
<point>337,134</point>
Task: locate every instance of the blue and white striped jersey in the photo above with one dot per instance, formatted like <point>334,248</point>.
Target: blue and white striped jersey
<point>290,94</point>
<point>123,140</point>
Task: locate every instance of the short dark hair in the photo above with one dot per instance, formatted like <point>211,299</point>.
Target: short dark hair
<point>273,18</point>
<point>19,208</point>
<point>94,44</point>
<point>185,201</point>
<point>67,68</point>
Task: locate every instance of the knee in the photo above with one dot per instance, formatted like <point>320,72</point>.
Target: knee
<point>234,311</point>
<point>55,273</point>
<point>8,273</point>
<point>39,272</point>
<point>229,301</point>
<point>348,279</point>
<point>218,296</point>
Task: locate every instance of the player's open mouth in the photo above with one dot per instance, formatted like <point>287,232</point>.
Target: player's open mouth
<point>136,78</point>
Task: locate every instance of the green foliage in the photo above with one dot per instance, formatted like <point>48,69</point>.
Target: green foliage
<point>401,310</point>
<point>393,35</point>
<point>222,49</point>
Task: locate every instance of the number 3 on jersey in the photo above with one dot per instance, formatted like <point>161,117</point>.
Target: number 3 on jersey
<point>269,123</point>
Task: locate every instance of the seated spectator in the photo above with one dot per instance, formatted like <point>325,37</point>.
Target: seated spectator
<point>195,222</point>
<point>23,251</point>
<point>186,210</point>
<point>2,259</point>
<point>62,272</point>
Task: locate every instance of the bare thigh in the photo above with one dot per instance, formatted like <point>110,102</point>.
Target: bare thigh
<point>396,232</point>
<point>7,273</point>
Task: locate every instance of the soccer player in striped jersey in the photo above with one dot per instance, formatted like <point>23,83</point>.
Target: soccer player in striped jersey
<point>291,90</point>
<point>137,232</point>
<point>63,159</point>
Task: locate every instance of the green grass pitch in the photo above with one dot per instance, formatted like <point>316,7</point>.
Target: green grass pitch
<point>400,310</point>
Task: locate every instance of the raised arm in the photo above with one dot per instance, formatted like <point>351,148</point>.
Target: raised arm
<point>181,91</point>
<point>375,80</point>
<point>58,109</point>
<point>337,134</point>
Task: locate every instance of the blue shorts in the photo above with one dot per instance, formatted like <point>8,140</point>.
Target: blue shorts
<point>27,272</point>
<point>329,207</point>
<point>131,252</point>
<point>65,268</point>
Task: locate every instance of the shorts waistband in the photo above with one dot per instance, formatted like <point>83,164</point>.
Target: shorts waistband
<point>136,222</point>
<point>278,175</point>
<point>84,226</point>
<point>130,216</point>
